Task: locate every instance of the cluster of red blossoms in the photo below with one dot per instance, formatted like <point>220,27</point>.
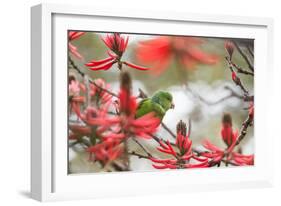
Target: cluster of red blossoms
<point>117,44</point>
<point>111,122</point>
<point>184,156</point>
<point>230,138</point>
<point>181,152</point>
<point>106,151</point>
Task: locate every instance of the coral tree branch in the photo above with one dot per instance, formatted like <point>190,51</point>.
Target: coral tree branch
<point>75,67</point>
<point>251,67</point>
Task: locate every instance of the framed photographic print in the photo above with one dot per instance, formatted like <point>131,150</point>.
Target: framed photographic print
<point>134,102</point>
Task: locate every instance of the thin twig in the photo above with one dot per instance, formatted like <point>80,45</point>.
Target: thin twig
<point>237,80</point>
<point>74,66</point>
<point>239,69</point>
<point>168,130</point>
<point>158,139</point>
<point>250,51</point>
<point>244,56</point>
<point>246,98</point>
<point>211,103</point>
<point>142,94</point>
<point>139,155</point>
<point>142,147</point>
<point>189,128</point>
<point>118,167</point>
<point>243,131</point>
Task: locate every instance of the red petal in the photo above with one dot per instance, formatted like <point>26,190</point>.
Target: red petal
<point>186,157</point>
<point>99,62</point>
<point>208,145</point>
<point>171,148</point>
<point>70,34</point>
<point>165,151</point>
<point>103,67</point>
<point>200,165</point>
<point>136,66</point>
<point>73,50</point>
<point>107,41</point>
<point>111,55</point>
<point>126,43</point>
<point>168,161</point>
<point>198,158</point>
<point>75,35</point>
<point>163,145</point>
<point>160,166</point>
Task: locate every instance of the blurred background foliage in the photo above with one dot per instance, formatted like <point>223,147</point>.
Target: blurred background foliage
<point>207,81</point>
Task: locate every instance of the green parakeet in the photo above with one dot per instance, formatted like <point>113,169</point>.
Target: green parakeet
<point>159,103</point>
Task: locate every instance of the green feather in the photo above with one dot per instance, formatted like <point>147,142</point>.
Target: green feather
<point>160,103</point>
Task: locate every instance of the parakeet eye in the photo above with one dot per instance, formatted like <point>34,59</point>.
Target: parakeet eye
<point>169,97</point>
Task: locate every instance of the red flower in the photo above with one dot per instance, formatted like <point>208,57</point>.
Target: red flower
<point>183,141</point>
<point>181,157</point>
<point>117,44</point>
<point>159,52</point>
<point>127,103</point>
<point>106,151</point>
<point>127,123</point>
<point>143,126</point>
<point>124,124</point>
<point>228,135</point>
<point>217,154</point>
<point>72,36</point>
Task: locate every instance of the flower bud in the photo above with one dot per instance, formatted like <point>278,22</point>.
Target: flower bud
<point>234,76</point>
<point>128,103</point>
<point>227,133</point>
<point>126,81</point>
<point>229,46</point>
<point>181,128</point>
<point>226,119</point>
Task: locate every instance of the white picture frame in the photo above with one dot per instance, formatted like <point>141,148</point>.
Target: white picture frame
<point>49,179</point>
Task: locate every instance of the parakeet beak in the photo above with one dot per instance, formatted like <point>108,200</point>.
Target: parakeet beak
<point>172,105</point>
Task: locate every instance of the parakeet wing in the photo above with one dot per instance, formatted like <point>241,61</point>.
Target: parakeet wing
<point>146,106</point>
